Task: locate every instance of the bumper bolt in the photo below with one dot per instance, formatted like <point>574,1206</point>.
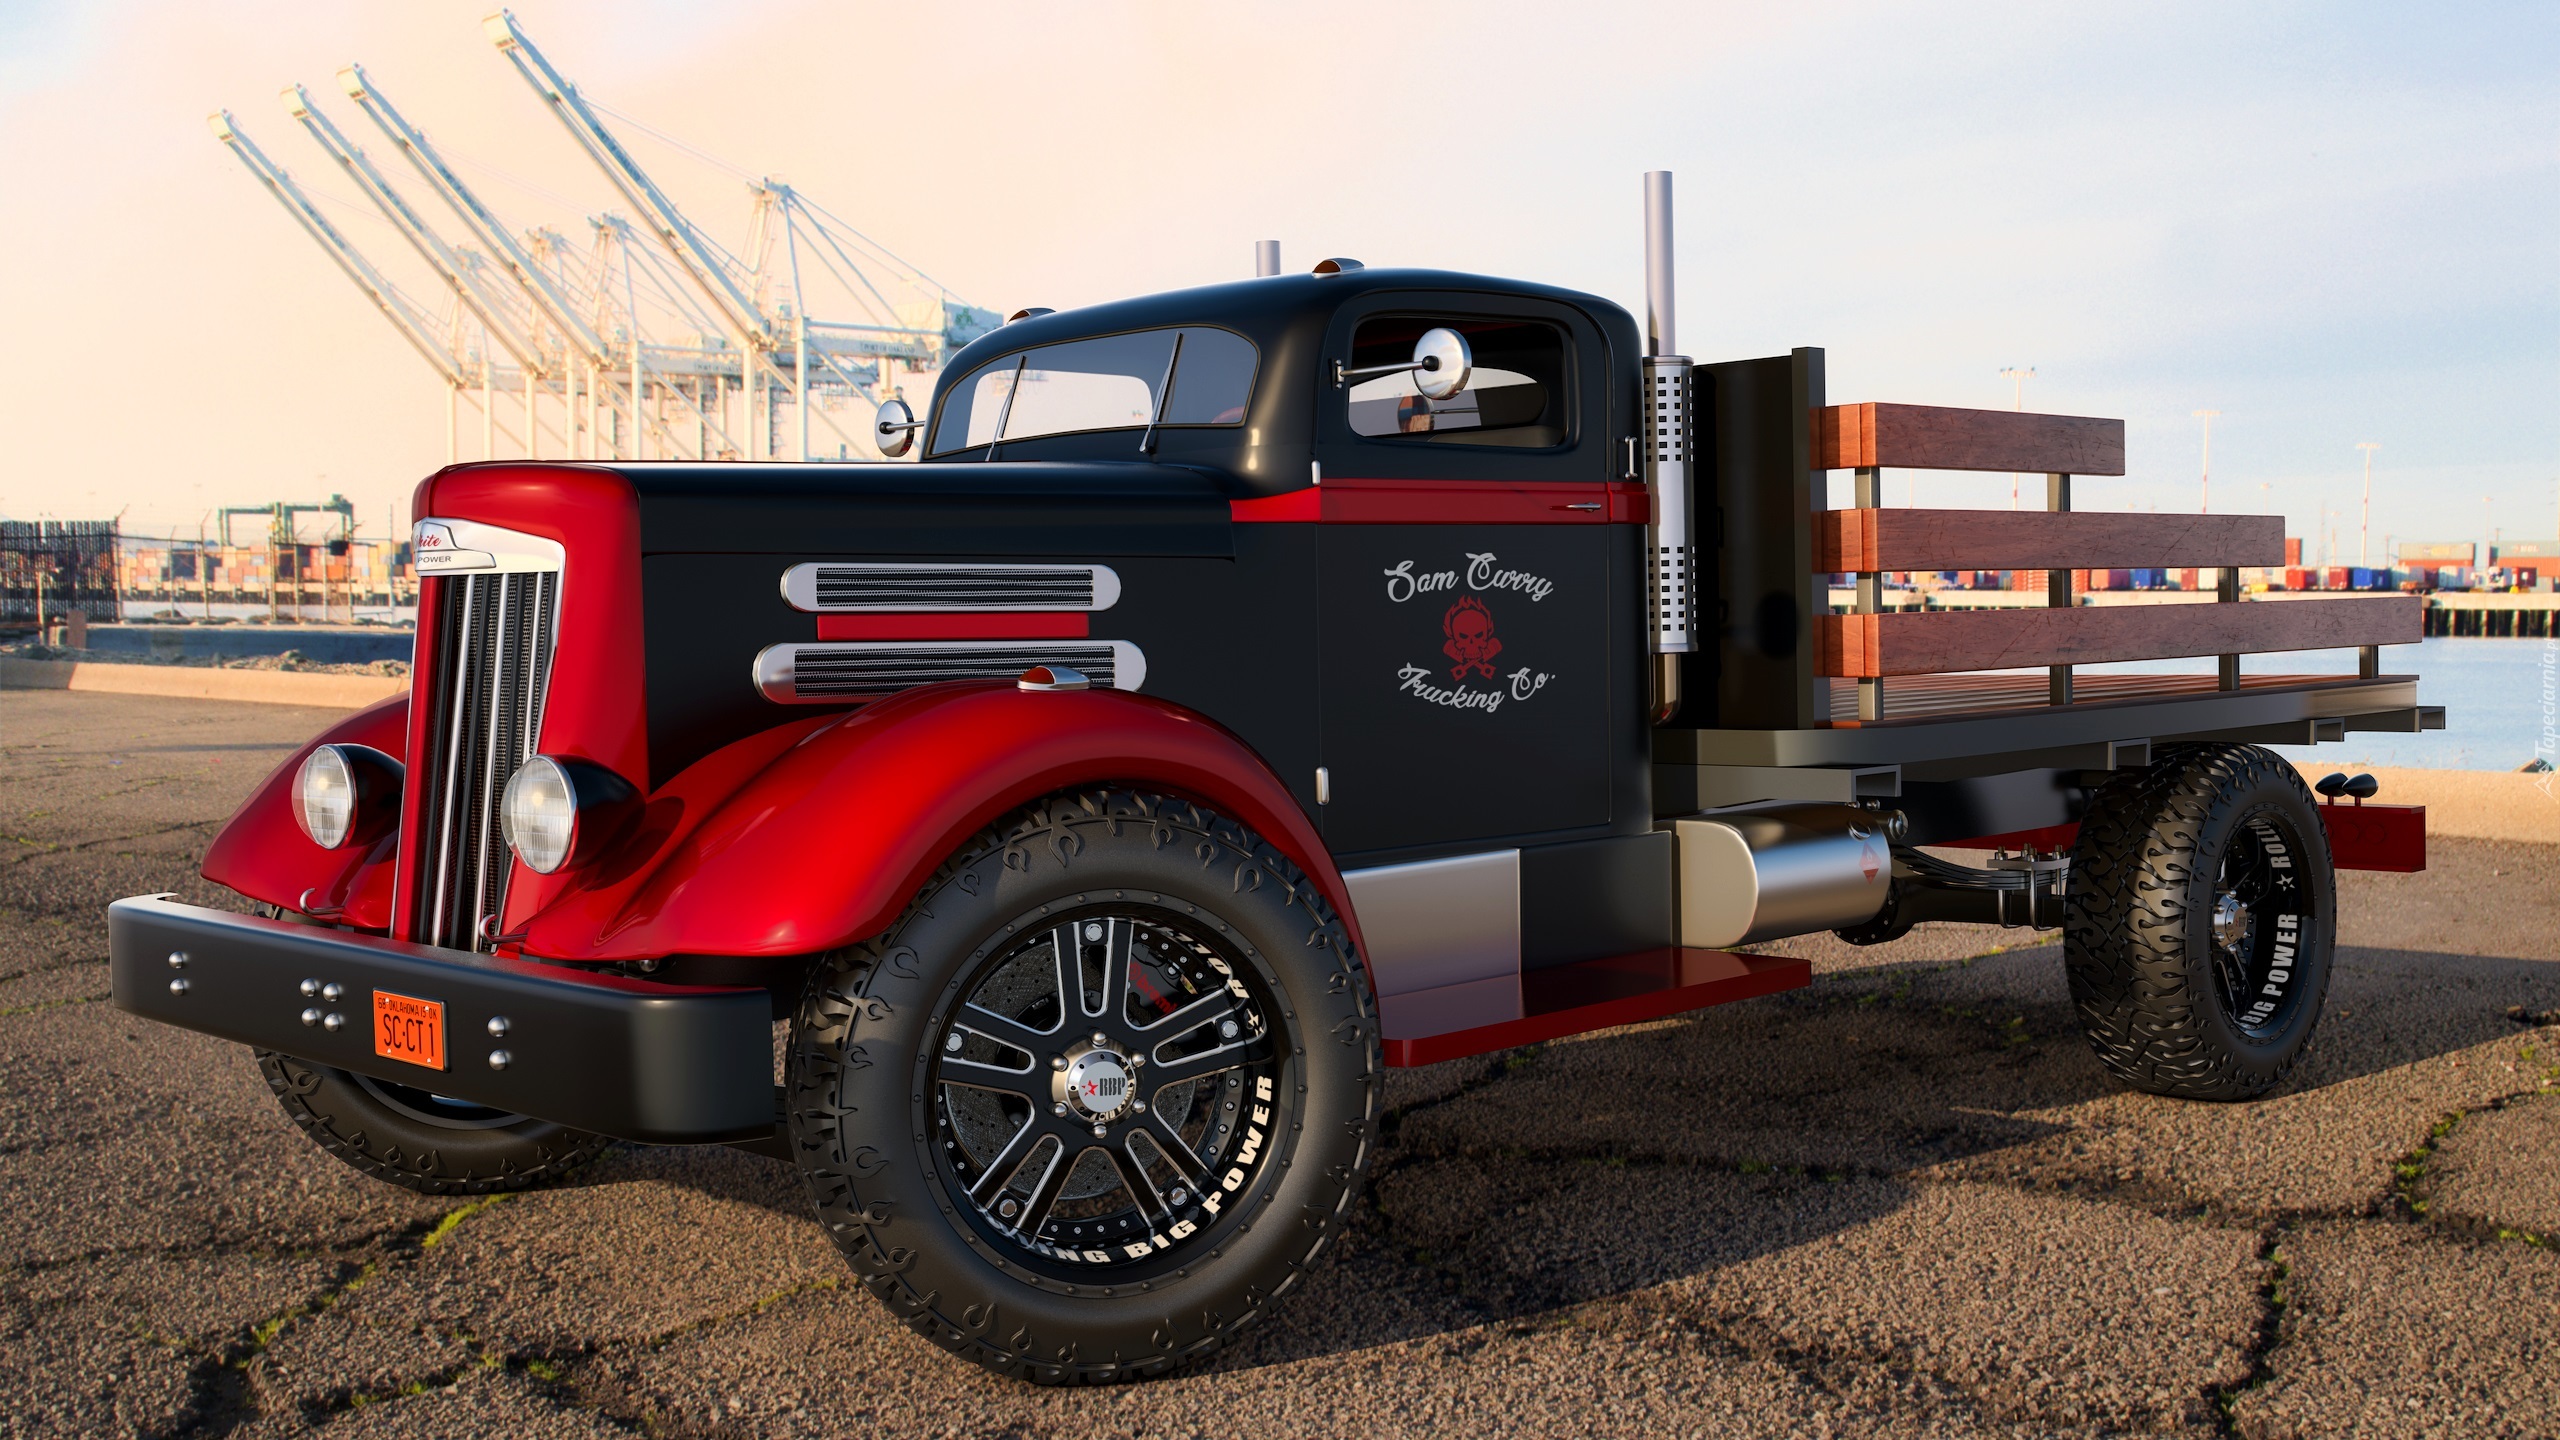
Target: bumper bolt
<point>177,959</point>
<point>310,988</point>
<point>498,1027</point>
<point>333,992</point>
<point>333,1021</point>
<point>500,1059</point>
<point>178,986</point>
<point>310,1017</point>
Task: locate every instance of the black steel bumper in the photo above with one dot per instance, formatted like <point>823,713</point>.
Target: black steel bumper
<point>667,1064</point>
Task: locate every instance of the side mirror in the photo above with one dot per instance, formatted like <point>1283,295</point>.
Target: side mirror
<point>1442,365</point>
<point>894,430</point>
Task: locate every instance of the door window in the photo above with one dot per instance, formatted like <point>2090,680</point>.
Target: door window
<point>1514,396</point>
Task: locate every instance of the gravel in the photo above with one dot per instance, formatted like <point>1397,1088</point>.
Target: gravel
<point>1903,1202</point>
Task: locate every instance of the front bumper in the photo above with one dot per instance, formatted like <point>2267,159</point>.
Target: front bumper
<point>666,1064</point>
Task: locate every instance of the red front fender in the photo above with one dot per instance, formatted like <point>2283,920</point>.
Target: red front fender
<point>829,839</point>
<point>263,854</point>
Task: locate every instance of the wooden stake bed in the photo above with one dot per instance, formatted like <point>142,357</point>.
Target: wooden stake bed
<point>1941,642</point>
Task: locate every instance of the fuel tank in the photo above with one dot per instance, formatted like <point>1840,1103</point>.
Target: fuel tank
<point>1790,871</point>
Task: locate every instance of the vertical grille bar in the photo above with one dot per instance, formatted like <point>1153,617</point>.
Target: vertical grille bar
<point>488,697</point>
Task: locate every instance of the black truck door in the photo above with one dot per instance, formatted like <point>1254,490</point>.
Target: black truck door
<point>1472,588</point>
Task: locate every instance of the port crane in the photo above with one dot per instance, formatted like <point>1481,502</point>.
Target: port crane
<point>651,341</point>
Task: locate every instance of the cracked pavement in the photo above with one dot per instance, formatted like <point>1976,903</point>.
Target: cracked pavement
<point>1904,1202</point>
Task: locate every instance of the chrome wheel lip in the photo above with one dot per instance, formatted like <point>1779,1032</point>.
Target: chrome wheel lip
<point>1173,1198</point>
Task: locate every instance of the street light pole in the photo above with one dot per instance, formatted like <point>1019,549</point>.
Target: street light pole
<point>2018,376</point>
<point>2364,526</point>
<point>2207,417</point>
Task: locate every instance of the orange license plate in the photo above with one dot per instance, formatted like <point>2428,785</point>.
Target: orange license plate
<point>408,1029</point>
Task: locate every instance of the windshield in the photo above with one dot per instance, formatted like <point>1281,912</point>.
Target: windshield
<point>1116,382</point>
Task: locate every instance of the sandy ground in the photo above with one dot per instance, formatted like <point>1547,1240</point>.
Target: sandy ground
<point>1903,1202</point>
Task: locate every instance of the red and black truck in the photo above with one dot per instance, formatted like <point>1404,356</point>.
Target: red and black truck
<point>1252,687</point>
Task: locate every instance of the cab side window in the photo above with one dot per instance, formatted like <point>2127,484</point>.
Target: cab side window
<point>1515,395</point>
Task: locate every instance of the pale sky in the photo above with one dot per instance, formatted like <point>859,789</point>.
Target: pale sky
<point>2331,222</point>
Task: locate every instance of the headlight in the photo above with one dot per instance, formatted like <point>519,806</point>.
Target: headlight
<point>346,792</point>
<point>561,812</point>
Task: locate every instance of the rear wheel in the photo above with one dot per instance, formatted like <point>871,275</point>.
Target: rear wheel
<point>2198,929</point>
<point>1101,1097</point>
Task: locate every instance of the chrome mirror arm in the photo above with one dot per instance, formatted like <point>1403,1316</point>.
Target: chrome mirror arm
<point>1441,353</point>
<point>1341,376</point>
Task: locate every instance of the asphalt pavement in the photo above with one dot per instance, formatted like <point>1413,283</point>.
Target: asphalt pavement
<point>1903,1202</point>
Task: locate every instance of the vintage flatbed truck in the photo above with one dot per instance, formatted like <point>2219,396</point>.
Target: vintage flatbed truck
<point>1254,686</point>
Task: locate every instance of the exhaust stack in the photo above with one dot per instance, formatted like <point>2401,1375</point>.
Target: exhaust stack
<point>1668,427</point>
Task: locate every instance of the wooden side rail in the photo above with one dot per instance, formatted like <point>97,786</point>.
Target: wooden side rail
<point>1931,437</point>
<point>1926,643</point>
<point>1872,540</point>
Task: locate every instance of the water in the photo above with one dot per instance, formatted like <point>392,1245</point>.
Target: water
<point>142,610</point>
<point>2498,696</point>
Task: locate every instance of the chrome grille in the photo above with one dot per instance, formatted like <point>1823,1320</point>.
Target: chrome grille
<point>491,669</point>
<point>828,673</point>
<point>822,587</point>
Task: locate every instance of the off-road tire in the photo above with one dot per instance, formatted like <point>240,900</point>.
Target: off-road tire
<point>2138,935</point>
<point>875,1019</point>
<point>384,1131</point>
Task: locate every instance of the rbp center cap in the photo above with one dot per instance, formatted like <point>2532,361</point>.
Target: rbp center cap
<point>1097,1084</point>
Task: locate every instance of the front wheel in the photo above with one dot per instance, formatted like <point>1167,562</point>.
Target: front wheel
<point>2198,928</point>
<point>1102,1096</point>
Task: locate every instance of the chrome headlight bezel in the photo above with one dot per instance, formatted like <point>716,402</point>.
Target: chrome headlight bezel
<point>346,794</point>
<point>557,813</point>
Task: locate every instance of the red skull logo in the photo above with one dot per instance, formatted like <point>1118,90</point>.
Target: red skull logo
<point>1469,628</point>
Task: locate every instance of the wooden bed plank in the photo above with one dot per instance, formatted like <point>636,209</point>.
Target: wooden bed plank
<point>1868,540</point>
<point>1929,697</point>
<point>1931,437</point>
<point>1925,643</point>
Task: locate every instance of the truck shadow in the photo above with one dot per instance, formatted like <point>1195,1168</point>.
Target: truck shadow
<point>1524,1185</point>
<point>1519,1185</point>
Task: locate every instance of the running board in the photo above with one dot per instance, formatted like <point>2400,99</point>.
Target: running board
<point>1425,1027</point>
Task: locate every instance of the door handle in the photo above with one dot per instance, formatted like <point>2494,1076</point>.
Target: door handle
<point>1581,505</point>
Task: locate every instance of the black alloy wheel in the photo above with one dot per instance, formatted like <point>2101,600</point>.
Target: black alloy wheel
<point>2200,920</point>
<point>2260,907</point>
<point>1100,1082</point>
<point>1101,1097</point>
